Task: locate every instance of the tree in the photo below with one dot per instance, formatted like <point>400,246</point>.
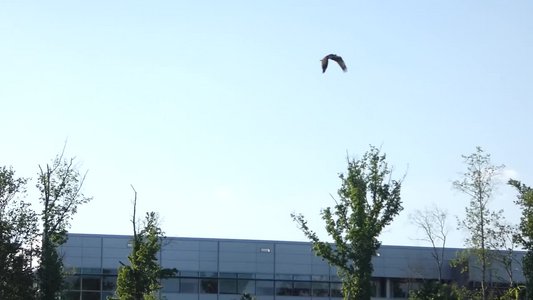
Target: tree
<point>18,233</point>
<point>432,221</point>
<point>525,235</point>
<point>478,183</point>
<point>60,187</point>
<point>368,201</point>
<point>506,242</point>
<point>141,279</point>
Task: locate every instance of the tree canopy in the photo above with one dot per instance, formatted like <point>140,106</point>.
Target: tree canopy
<point>368,201</point>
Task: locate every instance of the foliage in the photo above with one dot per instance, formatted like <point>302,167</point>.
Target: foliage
<point>525,235</point>
<point>18,232</point>
<point>60,188</point>
<point>432,221</point>
<point>513,293</point>
<point>247,296</point>
<point>141,279</point>
<point>480,222</point>
<point>436,290</point>
<point>368,201</point>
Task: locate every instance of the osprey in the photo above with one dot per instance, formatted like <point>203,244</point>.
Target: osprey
<point>334,57</point>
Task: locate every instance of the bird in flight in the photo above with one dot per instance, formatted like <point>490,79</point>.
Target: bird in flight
<point>334,57</point>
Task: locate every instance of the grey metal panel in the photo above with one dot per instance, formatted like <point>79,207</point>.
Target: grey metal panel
<point>91,252</point>
<point>170,263</point>
<point>208,265</point>
<point>265,257</point>
<point>175,244</point>
<point>293,268</point>
<point>292,248</point>
<point>172,296</point>
<point>293,258</point>
<point>119,242</point>
<point>320,269</point>
<point>207,297</point>
<point>237,267</point>
<point>71,251</point>
<point>238,247</point>
<point>91,241</point>
<point>229,297</point>
<point>116,252</point>
<point>109,263</point>
<point>237,256</point>
<point>75,241</point>
<point>209,246</point>
<point>188,297</point>
<point>188,266</point>
<point>208,255</point>
<point>181,255</point>
<point>71,261</point>
<point>90,263</point>
<point>264,268</point>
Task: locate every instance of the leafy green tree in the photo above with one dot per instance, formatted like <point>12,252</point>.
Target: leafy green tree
<point>60,187</point>
<point>141,279</point>
<point>480,222</point>
<point>18,233</point>
<point>368,201</point>
<point>525,235</point>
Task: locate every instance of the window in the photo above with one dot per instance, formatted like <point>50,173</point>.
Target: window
<point>208,285</point>
<point>91,283</point>
<point>228,286</point>
<point>320,289</point>
<point>379,287</point>
<point>170,285</point>
<point>72,295</point>
<point>73,282</point>
<point>90,295</point>
<point>302,288</point>
<point>284,288</point>
<point>264,287</point>
<point>109,283</point>
<point>400,289</point>
<point>189,285</point>
<point>245,286</point>
<point>336,289</point>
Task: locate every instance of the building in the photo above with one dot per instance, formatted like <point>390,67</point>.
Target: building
<point>224,269</point>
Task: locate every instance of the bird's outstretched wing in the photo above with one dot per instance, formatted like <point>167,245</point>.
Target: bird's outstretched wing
<point>341,63</point>
<point>334,57</point>
<point>324,64</point>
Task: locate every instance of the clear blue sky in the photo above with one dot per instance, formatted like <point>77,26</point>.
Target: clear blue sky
<point>218,113</point>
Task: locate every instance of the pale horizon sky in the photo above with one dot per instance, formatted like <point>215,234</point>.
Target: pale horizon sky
<point>220,117</point>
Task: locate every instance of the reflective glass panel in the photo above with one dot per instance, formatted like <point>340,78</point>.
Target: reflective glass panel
<point>264,287</point>
<point>189,285</point>
<point>208,285</point>
<point>320,289</point>
<point>228,286</point>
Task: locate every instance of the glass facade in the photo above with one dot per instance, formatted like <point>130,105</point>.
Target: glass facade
<point>93,286</point>
<point>218,269</point>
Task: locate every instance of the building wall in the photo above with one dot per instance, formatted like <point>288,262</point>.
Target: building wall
<point>223,269</point>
